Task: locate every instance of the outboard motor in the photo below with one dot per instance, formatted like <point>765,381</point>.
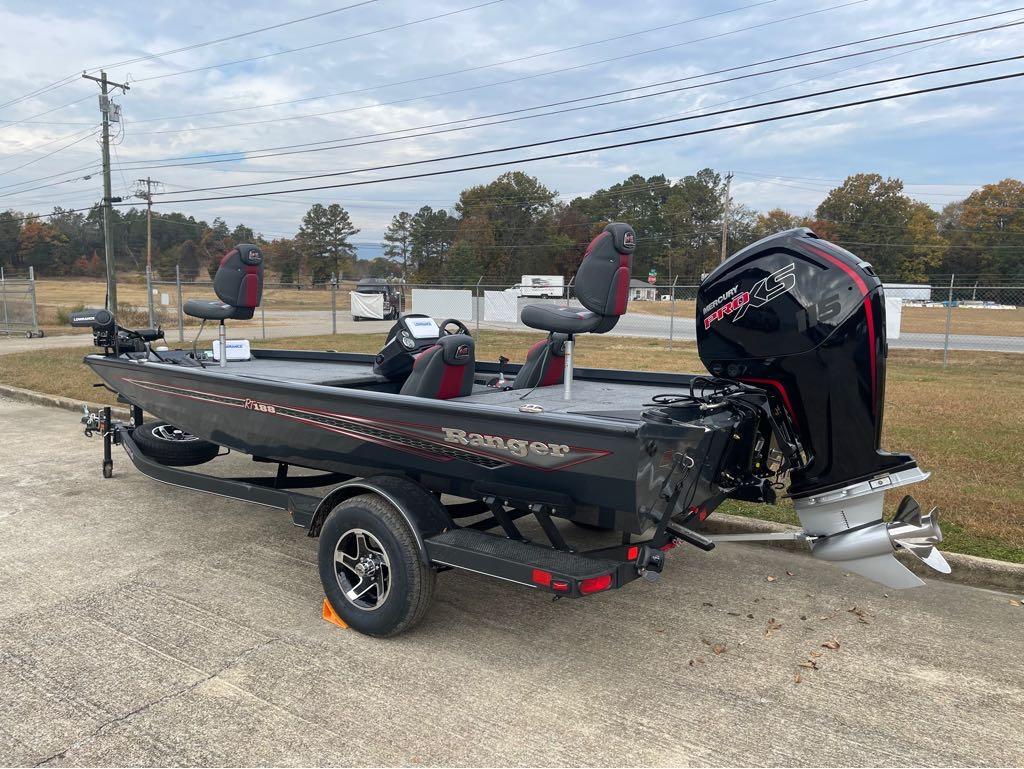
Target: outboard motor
<point>804,320</point>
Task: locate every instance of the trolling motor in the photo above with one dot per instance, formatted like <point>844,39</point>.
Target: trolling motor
<point>110,336</point>
<point>804,320</point>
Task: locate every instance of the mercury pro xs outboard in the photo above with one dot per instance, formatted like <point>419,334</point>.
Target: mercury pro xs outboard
<point>804,319</point>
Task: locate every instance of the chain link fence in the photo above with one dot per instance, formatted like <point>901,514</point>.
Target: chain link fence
<point>18,311</point>
<point>958,316</point>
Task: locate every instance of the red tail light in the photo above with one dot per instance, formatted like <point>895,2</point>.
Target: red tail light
<point>596,584</point>
<point>541,577</point>
<point>632,553</point>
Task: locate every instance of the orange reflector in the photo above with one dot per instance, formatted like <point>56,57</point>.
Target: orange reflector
<point>670,545</point>
<point>541,577</point>
<point>330,615</point>
<point>596,584</point>
<point>632,553</point>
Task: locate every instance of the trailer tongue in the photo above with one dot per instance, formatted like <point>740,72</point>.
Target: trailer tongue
<point>791,329</point>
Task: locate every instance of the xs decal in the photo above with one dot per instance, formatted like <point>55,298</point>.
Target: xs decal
<point>780,282</point>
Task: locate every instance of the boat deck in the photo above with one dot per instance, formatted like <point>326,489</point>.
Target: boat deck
<point>607,394</point>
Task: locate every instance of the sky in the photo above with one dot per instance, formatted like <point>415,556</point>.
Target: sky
<point>394,67</point>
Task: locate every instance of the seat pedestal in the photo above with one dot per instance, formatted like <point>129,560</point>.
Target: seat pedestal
<point>223,345</point>
<point>567,392</point>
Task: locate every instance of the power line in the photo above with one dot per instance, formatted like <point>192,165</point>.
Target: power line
<point>501,82</point>
<point>51,152</point>
<point>618,145</point>
<point>31,118</point>
<point>325,43</point>
<point>605,132</point>
<point>61,82</point>
<point>608,93</point>
<point>251,155</point>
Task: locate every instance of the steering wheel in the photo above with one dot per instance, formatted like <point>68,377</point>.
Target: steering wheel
<point>443,326</point>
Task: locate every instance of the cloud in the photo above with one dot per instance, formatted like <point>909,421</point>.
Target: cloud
<point>943,138</point>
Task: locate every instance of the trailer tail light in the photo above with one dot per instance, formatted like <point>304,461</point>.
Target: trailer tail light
<point>541,577</point>
<point>632,553</point>
<point>595,584</point>
<point>560,586</point>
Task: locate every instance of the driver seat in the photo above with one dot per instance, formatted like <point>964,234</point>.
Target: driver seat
<point>444,370</point>
<point>238,285</point>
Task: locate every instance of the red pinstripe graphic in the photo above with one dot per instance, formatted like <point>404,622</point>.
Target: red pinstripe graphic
<point>781,390</point>
<point>867,313</point>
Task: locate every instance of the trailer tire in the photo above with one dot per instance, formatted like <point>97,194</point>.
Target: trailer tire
<point>369,528</point>
<point>167,445</point>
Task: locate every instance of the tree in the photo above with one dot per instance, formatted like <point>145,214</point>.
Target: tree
<point>871,214</point>
<point>641,203</point>
<point>243,234</point>
<point>693,212</point>
<point>285,257</point>
<point>39,244</point>
<point>519,212</point>
<point>983,231</point>
<point>398,240</point>
<point>10,238</point>
<point>324,237</point>
<point>188,259</point>
<point>775,221</point>
<point>430,236</point>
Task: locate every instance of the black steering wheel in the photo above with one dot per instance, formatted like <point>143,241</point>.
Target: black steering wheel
<point>443,326</point>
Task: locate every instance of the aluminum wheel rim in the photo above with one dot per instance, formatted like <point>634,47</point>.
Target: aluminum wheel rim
<point>173,434</point>
<point>363,570</point>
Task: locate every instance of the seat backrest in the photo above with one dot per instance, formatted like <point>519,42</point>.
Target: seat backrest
<point>602,280</point>
<point>544,365</point>
<point>239,279</point>
<point>444,370</point>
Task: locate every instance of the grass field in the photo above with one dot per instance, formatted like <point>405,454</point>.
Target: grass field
<point>963,424</point>
<point>914,320</point>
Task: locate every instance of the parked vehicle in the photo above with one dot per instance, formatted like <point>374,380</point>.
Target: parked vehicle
<point>393,293</point>
<point>430,458</point>
<point>543,286</point>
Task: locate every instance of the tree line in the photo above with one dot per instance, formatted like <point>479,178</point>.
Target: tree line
<point>516,225</point>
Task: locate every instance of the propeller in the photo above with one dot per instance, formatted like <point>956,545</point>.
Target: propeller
<point>918,533</point>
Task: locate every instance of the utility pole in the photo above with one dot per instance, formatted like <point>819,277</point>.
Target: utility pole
<point>108,108</point>
<point>148,197</point>
<point>725,218</point>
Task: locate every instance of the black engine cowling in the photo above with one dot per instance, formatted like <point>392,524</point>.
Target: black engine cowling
<point>805,320</point>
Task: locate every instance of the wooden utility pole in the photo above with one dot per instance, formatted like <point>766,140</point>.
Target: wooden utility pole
<point>106,109</point>
<point>148,197</point>
<point>725,218</point>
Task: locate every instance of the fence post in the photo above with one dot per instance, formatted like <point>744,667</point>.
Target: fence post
<point>32,293</point>
<point>3,293</point>
<point>181,312</point>
<point>334,303</point>
<point>476,310</point>
<point>149,296</point>
<point>949,322</point>
<point>672,315</point>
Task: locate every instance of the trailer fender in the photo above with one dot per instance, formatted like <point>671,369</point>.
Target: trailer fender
<point>422,510</point>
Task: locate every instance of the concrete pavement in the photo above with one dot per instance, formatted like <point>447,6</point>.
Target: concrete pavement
<point>145,624</point>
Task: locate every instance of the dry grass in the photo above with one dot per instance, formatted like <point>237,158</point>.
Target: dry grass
<point>964,320</point>
<point>964,424</point>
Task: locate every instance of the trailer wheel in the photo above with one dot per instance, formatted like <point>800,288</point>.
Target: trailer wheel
<point>371,568</point>
<point>168,445</point>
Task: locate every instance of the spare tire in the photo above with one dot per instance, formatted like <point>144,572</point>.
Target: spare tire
<point>166,444</point>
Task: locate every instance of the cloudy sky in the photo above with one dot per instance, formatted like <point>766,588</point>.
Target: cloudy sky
<point>382,71</point>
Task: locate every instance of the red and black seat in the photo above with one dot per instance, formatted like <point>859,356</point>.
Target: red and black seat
<point>602,286</point>
<point>545,364</point>
<point>238,285</point>
<point>444,370</point>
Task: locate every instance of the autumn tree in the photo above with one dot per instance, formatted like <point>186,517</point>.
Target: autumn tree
<point>984,231</point>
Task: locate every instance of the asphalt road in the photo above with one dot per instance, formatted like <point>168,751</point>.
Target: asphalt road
<point>145,624</point>
<point>281,323</point>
